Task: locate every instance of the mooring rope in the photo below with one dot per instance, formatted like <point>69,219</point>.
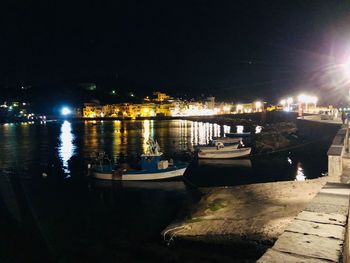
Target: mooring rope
<point>173,233</point>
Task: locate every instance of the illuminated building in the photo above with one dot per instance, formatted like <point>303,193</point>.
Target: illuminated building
<point>164,109</point>
<point>160,96</point>
<point>210,103</point>
<point>92,110</point>
<point>257,106</point>
<point>163,106</point>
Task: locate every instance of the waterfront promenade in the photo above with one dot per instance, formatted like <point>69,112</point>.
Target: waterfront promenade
<point>296,221</point>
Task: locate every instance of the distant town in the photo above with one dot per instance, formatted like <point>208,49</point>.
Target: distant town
<point>159,104</point>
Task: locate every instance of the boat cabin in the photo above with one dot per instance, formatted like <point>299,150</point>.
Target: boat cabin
<point>153,163</point>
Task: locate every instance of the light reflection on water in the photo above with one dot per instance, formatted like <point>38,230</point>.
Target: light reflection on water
<point>131,137</point>
<point>66,148</point>
<point>146,132</point>
<point>300,176</point>
<point>258,129</point>
<point>240,128</point>
<point>39,147</point>
<point>227,129</point>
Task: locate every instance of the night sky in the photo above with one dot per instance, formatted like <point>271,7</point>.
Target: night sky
<point>234,50</point>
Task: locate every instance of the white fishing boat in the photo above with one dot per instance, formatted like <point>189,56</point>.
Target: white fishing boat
<point>152,168</point>
<point>236,153</point>
<point>217,146</point>
<point>220,145</point>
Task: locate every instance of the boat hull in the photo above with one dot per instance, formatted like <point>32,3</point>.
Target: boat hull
<point>228,148</point>
<point>225,155</point>
<point>165,174</point>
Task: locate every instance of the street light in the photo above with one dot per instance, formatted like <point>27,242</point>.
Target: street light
<point>65,111</point>
<point>306,99</point>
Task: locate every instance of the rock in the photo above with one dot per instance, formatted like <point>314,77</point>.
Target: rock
<point>275,137</point>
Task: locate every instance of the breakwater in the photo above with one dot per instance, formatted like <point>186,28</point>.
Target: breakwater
<point>259,214</point>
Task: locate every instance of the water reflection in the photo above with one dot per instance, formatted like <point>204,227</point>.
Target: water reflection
<point>130,137</point>
<point>146,133</point>
<point>300,173</point>
<point>240,128</point>
<point>67,148</point>
<point>227,129</point>
<point>116,136</point>
<point>258,129</point>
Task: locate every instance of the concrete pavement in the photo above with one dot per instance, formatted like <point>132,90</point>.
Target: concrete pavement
<point>318,233</point>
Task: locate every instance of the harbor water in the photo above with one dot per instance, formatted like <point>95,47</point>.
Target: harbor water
<point>52,212</point>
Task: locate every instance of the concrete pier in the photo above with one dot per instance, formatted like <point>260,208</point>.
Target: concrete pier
<point>318,233</point>
<point>300,221</point>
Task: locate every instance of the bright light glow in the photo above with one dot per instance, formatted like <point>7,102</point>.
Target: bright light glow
<point>314,99</point>
<point>258,129</point>
<point>283,102</point>
<point>258,104</point>
<point>302,98</point>
<point>239,107</point>
<point>290,100</point>
<point>66,111</point>
<point>300,173</point>
<point>193,111</point>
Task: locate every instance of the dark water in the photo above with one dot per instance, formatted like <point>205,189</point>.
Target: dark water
<point>66,217</point>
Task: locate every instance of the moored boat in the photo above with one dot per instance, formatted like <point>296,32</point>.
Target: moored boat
<point>217,146</point>
<point>153,168</point>
<point>237,153</point>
